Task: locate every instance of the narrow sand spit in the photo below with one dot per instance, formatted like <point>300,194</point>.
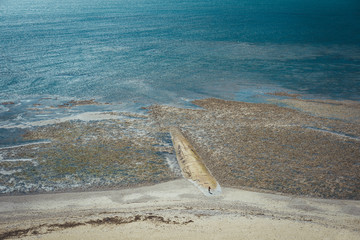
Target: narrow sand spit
<point>192,166</point>
<point>176,210</point>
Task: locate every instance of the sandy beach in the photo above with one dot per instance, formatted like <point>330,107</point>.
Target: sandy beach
<point>284,173</point>
<point>176,210</point>
<point>179,119</point>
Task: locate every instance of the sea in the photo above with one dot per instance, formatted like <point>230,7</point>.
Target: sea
<point>130,54</point>
<point>174,51</point>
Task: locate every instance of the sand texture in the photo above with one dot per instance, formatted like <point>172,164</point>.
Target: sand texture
<point>192,165</point>
<point>176,210</point>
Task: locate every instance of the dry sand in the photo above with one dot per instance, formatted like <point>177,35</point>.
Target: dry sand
<point>192,166</point>
<point>176,210</point>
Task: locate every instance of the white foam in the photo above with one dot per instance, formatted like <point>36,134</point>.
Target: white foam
<point>25,144</point>
<point>173,164</point>
<point>4,109</point>
<point>341,135</point>
<point>8,172</point>
<point>34,162</point>
<point>86,117</point>
<point>17,160</point>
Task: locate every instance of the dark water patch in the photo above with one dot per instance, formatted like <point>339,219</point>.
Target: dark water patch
<point>14,137</point>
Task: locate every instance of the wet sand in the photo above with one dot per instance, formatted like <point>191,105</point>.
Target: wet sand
<point>176,210</point>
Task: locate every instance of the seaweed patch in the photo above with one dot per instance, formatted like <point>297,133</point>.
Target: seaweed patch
<point>83,155</point>
<point>268,147</point>
<point>116,220</point>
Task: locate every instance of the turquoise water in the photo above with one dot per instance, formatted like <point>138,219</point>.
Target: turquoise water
<point>167,51</point>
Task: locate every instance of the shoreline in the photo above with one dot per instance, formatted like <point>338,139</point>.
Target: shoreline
<point>250,206</point>
<point>174,207</point>
<point>243,144</point>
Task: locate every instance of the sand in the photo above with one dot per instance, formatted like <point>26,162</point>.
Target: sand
<point>176,210</point>
<point>276,166</point>
<point>192,166</point>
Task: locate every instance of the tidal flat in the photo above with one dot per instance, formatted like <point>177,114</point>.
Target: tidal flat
<point>81,155</point>
<point>295,148</point>
<point>266,147</point>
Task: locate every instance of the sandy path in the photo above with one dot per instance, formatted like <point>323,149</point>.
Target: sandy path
<point>192,166</point>
<point>177,210</point>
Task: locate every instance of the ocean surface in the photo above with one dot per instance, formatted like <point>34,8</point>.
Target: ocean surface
<point>170,51</point>
<point>135,53</point>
